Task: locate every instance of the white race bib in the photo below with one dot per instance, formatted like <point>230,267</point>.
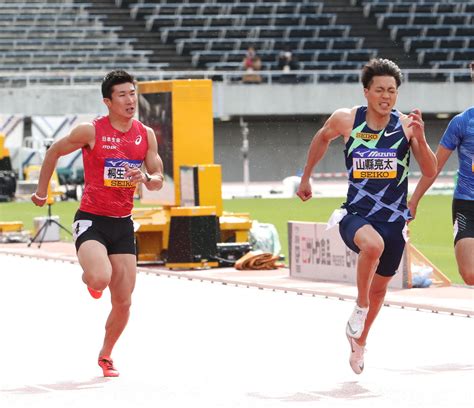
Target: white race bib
<point>374,163</point>
<point>114,172</point>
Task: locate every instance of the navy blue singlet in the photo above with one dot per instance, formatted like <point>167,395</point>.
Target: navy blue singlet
<point>377,163</point>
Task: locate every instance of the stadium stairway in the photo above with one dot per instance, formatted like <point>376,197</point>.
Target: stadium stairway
<point>366,27</point>
<point>145,40</point>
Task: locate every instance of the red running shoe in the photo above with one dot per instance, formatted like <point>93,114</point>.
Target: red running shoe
<point>107,365</point>
<point>96,294</point>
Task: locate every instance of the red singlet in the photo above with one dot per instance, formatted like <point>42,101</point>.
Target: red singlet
<point>106,191</point>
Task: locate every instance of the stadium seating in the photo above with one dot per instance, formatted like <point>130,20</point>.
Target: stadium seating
<point>441,33</point>
<point>215,34</point>
<point>49,36</point>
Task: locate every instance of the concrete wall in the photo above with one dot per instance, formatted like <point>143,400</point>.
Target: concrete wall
<point>238,99</point>
<point>325,98</point>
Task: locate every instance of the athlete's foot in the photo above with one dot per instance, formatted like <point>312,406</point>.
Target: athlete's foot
<point>356,359</point>
<point>107,365</point>
<point>96,294</point>
<point>355,325</point>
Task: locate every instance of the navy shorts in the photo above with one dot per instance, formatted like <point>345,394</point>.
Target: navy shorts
<point>116,234</point>
<point>463,219</point>
<point>391,233</point>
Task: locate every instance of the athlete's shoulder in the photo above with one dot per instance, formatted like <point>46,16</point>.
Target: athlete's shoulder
<point>466,116</point>
<point>83,133</point>
<point>100,120</point>
<point>344,113</point>
<point>84,128</point>
<point>141,126</point>
<point>462,122</point>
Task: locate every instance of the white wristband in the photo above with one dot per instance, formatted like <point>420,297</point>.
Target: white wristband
<point>40,198</point>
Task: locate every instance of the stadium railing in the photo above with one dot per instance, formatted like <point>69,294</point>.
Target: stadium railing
<point>68,76</point>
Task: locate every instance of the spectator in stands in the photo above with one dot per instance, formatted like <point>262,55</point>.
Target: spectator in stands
<point>458,135</point>
<point>286,63</point>
<point>250,64</point>
<point>113,148</point>
<point>372,221</point>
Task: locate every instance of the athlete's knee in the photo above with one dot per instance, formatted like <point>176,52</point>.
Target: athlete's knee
<point>97,282</point>
<point>467,275</point>
<point>121,304</point>
<point>97,279</point>
<point>373,250</point>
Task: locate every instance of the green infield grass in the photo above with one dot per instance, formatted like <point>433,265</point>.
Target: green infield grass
<point>431,232</point>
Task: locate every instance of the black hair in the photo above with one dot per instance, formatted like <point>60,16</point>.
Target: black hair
<point>380,67</point>
<point>115,77</point>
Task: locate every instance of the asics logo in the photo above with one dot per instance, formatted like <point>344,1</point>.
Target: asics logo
<point>138,140</point>
<point>391,133</point>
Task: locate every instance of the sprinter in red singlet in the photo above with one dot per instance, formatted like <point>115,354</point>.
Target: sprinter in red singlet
<point>115,149</point>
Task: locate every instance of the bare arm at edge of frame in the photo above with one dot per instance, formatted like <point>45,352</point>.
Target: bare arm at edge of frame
<point>338,124</point>
<point>153,163</point>
<point>80,136</point>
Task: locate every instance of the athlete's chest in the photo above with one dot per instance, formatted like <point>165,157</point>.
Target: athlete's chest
<point>377,154</point>
<point>115,144</point>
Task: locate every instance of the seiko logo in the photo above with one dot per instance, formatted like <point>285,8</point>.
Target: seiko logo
<point>109,147</point>
<point>367,136</point>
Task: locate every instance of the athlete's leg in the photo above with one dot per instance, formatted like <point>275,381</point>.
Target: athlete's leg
<point>121,287</point>
<point>96,265</point>
<point>394,244</point>
<point>464,250</point>
<point>371,247</point>
<point>377,292</point>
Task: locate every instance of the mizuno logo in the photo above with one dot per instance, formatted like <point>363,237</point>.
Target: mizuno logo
<point>115,163</point>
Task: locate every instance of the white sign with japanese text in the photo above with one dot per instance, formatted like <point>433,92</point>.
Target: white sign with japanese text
<point>321,255</point>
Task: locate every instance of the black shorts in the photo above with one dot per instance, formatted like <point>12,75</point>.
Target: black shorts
<point>463,219</point>
<point>116,234</point>
<point>391,233</point>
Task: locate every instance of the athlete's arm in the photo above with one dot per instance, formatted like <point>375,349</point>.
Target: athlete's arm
<point>442,156</point>
<point>80,136</point>
<point>153,178</point>
<point>338,124</point>
<point>421,150</point>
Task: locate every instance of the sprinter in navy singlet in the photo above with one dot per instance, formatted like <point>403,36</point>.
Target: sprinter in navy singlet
<point>378,141</point>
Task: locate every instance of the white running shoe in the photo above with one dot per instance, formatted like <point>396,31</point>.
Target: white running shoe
<point>356,360</point>
<point>356,323</point>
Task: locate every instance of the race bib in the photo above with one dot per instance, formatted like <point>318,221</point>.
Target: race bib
<point>374,163</point>
<point>114,172</point>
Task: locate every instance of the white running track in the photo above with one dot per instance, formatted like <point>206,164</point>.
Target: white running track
<point>198,344</point>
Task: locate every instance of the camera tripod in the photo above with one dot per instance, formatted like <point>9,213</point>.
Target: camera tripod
<point>49,220</point>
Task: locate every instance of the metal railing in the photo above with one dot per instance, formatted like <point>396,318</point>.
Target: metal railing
<point>82,77</point>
